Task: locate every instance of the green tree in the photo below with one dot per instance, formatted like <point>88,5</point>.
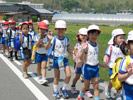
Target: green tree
<point>5,18</point>
<point>34,18</point>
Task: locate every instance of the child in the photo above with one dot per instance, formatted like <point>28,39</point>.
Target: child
<point>82,38</point>
<point>43,44</point>
<point>4,37</point>
<point>61,49</point>
<point>26,41</point>
<point>32,32</point>
<point>12,37</point>
<point>126,72</point>
<point>90,69</point>
<point>112,53</point>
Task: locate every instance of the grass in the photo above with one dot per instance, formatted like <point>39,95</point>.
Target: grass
<point>72,31</point>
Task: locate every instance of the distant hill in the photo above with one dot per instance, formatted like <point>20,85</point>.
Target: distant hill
<point>100,6</point>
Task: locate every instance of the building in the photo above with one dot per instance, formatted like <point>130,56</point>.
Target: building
<point>20,12</point>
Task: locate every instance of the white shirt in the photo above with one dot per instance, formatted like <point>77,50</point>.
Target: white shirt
<point>14,34</point>
<point>32,33</point>
<point>92,55</point>
<point>4,32</point>
<point>123,69</point>
<point>44,41</point>
<point>60,47</point>
<point>25,42</point>
<point>116,53</point>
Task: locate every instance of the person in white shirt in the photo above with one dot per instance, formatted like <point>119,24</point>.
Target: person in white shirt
<point>61,48</point>
<point>43,43</point>
<point>112,53</point>
<point>125,74</point>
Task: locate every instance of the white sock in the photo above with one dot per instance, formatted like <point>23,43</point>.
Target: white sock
<point>44,78</point>
<point>55,88</point>
<point>64,86</point>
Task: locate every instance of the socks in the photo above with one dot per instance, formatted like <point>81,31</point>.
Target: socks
<point>97,98</point>
<point>55,88</point>
<point>64,86</point>
<point>81,94</point>
<point>16,57</point>
<point>11,52</point>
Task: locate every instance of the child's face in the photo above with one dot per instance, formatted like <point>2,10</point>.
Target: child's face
<point>93,36</point>
<point>83,37</point>
<point>130,47</point>
<point>13,25</point>
<point>43,31</point>
<point>19,27</point>
<point>25,29</point>
<point>30,26</point>
<point>118,40</point>
<point>60,31</point>
<point>6,26</point>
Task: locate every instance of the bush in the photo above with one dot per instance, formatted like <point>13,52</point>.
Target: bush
<point>34,18</point>
<point>5,18</point>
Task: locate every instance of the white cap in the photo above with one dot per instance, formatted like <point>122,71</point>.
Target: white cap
<point>60,24</point>
<point>115,33</point>
<point>130,36</point>
<point>94,27</point>
<point>82,31</point>
<point>46,21</point>
<point>19,24</point>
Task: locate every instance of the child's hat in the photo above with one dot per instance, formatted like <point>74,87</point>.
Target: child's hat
<point>115,33</point>
<point>19,24</point>
<point>94,27</point>
<point>5,22</point>
<point>25,23</point>
<point>82,31</point>
<point>46,21</point>
<point>60,24</point>
<point>42,25</point>
<point>11,22</point>
<point>30,22</point>
<point>130,36</point>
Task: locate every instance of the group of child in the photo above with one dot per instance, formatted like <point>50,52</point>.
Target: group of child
<point>85,55</point>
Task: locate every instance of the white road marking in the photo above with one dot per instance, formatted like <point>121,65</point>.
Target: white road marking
<point>38,94</point>
<point>17,62</point>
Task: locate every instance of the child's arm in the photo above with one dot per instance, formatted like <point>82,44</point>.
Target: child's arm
<point>39,40</point>
<point>69,50</point>
<point>50,37</point>
<point>21,38</point>
<point>122,77</point>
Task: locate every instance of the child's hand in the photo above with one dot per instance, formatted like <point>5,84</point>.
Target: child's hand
<point>130,69</point>
<point>40,35</point>
<point>85,46</point>
<point>49,35</point>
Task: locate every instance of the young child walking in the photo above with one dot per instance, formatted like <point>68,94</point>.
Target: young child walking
<point>26,41</point>
<point>90,69</point>
<point>125,74</point>
<point>82,38</point>
<point>12,34</point>
<point>112,53</point>
<point>43,43</point>
<point>61,48</point>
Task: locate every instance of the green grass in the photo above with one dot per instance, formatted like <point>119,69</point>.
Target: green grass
<point>72,31</point>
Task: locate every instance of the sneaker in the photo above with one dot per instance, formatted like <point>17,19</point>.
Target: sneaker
<point>43,81</point>
<point>56,95</point>
<point>108,93</point>
<point>64,93</point>
<point>25,75</point>
<point>88,94</point>
<point>79,98</point>
<point>73,90</point>
<point>4,54</point>
<point>118,97</point>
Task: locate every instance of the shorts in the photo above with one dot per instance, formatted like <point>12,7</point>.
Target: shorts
<point>40,58</point>
<point>110,72</point>
<point>11,43</point>
<point>55,62</point>
<point>23,55</point>
<point>90,72</point>
<point>78,70</point>
<point>127,91</point>
<point>4,41</point>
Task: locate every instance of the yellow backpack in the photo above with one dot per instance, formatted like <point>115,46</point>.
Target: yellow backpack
<point>115,82</point>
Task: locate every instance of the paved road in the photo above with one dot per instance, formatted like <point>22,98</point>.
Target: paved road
<point>14,87</point>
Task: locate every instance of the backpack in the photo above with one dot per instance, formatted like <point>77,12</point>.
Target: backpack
<point>114,77</point>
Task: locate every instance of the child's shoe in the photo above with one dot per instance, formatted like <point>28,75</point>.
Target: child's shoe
<point>88,94</point>
<point>73,90</point>
<point>25,75</point>
<point>108,93</point>
<point>64,93</point>
<point>79,98</point>
<point>56,95</point>
<point>118,97</point>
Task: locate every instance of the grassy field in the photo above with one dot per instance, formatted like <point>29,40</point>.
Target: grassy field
<point>72,31</point>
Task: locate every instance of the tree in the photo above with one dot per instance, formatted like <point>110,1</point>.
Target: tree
<point>34,18</point>
<point>5,18</point>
